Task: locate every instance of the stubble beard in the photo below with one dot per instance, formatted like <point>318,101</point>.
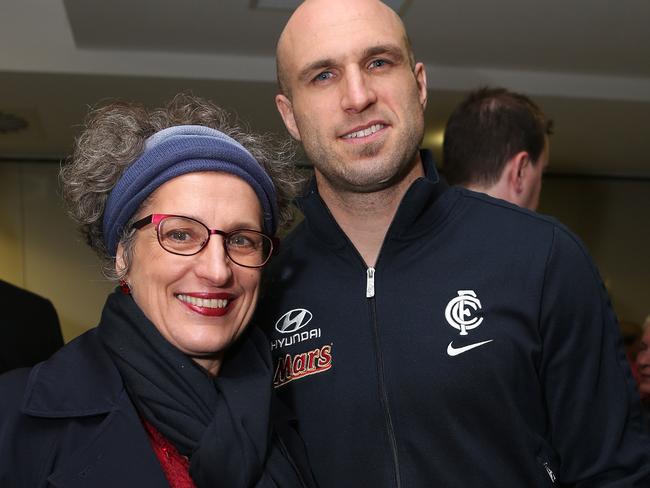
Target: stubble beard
<point>365,171</point>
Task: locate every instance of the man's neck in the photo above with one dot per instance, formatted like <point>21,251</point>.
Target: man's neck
<point>499,190</point>
<point>365,217</point>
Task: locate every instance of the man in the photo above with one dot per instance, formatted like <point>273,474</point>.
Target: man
<point>30,328</point>
<point>496,142</point>
<point>428,335</point>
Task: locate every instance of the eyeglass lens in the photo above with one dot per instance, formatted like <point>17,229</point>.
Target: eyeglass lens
<point>185,236</point>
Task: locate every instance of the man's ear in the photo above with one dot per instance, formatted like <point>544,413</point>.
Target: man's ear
<point>519,164</point>
<point>421,79</point>
<point>285,107</point>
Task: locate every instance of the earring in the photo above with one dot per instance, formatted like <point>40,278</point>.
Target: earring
<point>124,287</point>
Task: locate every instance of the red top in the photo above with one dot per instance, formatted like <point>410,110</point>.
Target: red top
<point>175,466</point>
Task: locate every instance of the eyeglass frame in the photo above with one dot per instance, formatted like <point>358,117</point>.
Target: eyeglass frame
<point>156,219</point>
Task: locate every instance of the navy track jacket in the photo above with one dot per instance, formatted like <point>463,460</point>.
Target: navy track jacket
<point>481,350</point>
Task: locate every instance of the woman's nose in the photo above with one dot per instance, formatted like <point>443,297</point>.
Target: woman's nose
<point>214,263</point>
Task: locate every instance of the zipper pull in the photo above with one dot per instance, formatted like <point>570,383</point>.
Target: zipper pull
<point>550,472</point>
<point>370,282</point>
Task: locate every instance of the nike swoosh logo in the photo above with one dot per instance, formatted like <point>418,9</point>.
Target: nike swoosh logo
<point>455,351</point>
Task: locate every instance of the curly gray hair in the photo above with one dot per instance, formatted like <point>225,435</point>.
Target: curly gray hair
<point>113,138</point>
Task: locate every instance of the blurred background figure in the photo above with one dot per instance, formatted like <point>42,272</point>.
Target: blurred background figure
<point>643,365</point>
<point>30,328</point>
<point>496,142</point>
<point>631,333</point>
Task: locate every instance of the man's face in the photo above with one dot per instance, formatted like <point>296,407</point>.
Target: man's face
<point>643,364</point>
<point>533,185</point>
<point>354,101</point>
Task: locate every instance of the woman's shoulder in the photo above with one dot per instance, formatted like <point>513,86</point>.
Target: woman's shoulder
<point>78,378</point>
<point>19,435</point>
<point>25,390</point>
<point>40,405</point>
<point>12,390</point>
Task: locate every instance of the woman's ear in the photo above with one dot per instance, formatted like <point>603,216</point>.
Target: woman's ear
<point>120,261</point>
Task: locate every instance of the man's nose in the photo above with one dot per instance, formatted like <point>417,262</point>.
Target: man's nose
<point>358,91</point>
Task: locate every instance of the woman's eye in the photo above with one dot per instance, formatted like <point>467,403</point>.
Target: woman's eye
<point>179,235</point>
<point>240,240</point>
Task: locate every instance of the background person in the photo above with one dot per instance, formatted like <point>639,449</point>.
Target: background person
<point>497,142</point>
<point>643,365</point>
<point>428,335</point>
<point>631,333</point>
<point>30,328</point>
<point>170,388</point>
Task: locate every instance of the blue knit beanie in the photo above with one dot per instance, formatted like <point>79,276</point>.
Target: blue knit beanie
<point>176,151</point>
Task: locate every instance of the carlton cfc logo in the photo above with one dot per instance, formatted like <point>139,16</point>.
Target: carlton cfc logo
<point>461,309</point>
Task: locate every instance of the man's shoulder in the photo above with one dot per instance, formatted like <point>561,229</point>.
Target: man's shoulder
<point>294,241</point>
<point>506,213</point>
<point>10,293</point>
<point>504,223</point>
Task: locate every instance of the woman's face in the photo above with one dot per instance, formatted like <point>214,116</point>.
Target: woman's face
<point>164,284</point>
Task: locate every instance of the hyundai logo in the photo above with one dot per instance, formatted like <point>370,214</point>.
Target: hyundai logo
<point>293,320</point>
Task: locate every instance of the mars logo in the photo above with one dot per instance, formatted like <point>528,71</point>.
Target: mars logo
<point>292,367</point>
<point>460,309</point>
<point>291,323</point>
<point>293,320</point>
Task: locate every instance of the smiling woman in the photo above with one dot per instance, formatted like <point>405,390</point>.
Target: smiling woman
<point>182,207</point>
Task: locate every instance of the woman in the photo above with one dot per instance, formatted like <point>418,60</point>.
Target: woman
<point>169,389</point>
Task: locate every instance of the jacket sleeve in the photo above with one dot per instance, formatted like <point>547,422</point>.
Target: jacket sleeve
<point>596,423</point>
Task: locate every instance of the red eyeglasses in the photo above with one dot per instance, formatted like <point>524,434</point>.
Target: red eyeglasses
<point>186,236</point>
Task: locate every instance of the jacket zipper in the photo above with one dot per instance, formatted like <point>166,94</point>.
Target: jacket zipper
<point>370,294</point>
<point>370,282</point>
<point>549,471</point>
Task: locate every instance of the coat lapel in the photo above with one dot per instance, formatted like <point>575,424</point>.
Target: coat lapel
<point>103,442</point>
<point>119,455</point>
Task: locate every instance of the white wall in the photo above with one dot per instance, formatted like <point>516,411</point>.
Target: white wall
<point>41,250</point>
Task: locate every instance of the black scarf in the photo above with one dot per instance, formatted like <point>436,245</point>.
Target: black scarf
<point>222,424</point>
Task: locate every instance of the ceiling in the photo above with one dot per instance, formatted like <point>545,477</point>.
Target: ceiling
<point>586,62</point>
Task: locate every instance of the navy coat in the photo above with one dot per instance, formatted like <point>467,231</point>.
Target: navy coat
<point>72,418</point>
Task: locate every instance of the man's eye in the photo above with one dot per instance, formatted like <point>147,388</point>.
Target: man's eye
<point>325,75</point>
<point>378,63</point>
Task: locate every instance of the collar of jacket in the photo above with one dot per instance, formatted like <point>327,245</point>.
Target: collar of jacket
<point>79,380</point>
<point>415,215</point>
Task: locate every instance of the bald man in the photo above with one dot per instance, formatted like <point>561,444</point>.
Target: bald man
<point>426,335</point>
